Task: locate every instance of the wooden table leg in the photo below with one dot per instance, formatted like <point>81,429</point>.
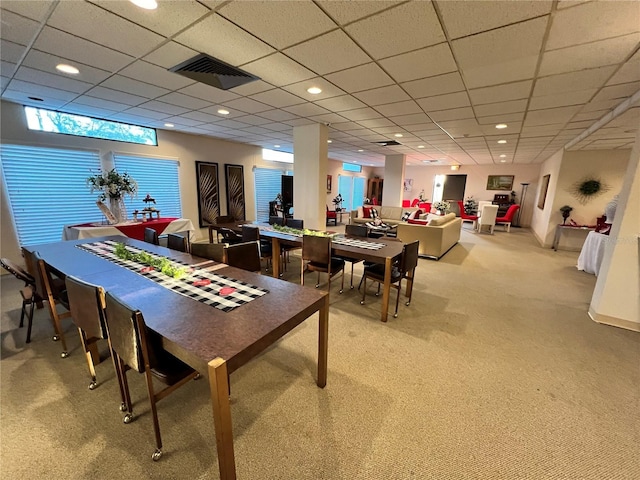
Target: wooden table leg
<point>275,257</point>
<point>323,343</point>
<point>219,384</point>
<point>386,290</point>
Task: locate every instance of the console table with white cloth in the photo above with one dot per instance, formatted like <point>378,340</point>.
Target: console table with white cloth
<point>592,253</point>
<point>131,229</point>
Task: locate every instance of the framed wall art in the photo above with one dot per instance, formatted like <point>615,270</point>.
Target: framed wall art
<point>329,183</point>
<point>500,182</point>
<point>208,193</point>
<point>544,186</point>
<point>234,175</point>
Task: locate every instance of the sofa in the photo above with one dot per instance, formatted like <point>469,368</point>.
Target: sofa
<point>436,238</point>
<point>386,214</point>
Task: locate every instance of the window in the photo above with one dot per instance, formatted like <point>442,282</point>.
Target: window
<point>267,184</point>
<point>350,167</point>
<point>352,191</point>
<point>82,126</point>
<point>156,176</point>
<point>275,156</point>
<point>47,190</point>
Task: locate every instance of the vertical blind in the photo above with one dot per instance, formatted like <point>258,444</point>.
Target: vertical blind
<point>156,176</point>
<point>352,191</point>
<point>267,185</point>
<point>47,190</point>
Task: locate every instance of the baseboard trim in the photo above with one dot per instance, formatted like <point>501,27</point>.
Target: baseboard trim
<point>613,321</point>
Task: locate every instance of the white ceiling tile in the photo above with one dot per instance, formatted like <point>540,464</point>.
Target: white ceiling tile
<point>306,110</point>
<point>427,62</point>
<point>629,72</point>
<point>34,9</point>
<point>18,29</point>
<point>278,115</point>
<point>569,82</point>
<point>22,99</point>
<point>252,88</point>
<point>320,54</point>
<point>134,87</point>
<point>383,95</point>
<point>400,108</point>
<point>300,122</point>
<point>363,77</point>
<point>170,54</point>
<point>11,52</point>
<point>95,24</point>
<point>415,119</point>
<point>207,93</point>
<point>4,81</point>
<point>278,70</point>
<point>143,112</point>
<point>443,102</point>
<point>592,55</point>
<point>147,72</point>
<point>200,117</point>
<point>100,103</point>
<point>579,97</point>
<point>613,19</point>
<point>328,118</point>
<point>550,115</point>
<point>452,114</point>
<point>232,124</point>
<point>44,92</point>
<point>438,85</point>
<point>47,63</point>
<point>300,89</point>
<point>620,92</point>
<point>347,11</point>
<point>378,35</point>
<point>169,18</point>
<point>116,96</point>
<point>601,105</point>
<point>511,119</point>
<point>247,105</point>
<point>500,93</point>
<point>590,115</point>
<point>341,103</point>
<point>61,43</point>
<point>164,107</point>
<point>223,40</point>
<point>89,110</point>
<point>462,18</point>
<point>376,123</point>
<point>182,120</point>
<point>360,114</point>
<point>279,25</point>
<point>213,110</point>
<point>346,126</point>
<point>276,127</point>
<point>55,81</point>
<point>278,98</point>
<point>512,106</point>
<point>499,56</point>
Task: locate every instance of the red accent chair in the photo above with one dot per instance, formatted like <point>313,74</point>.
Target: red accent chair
<point>406,203</point>
<point>465,217</point>
<point>425,207</point>
<point>508,217</point>
<point>415,202</point>
<point>331,216</point>
<point>374,201</point>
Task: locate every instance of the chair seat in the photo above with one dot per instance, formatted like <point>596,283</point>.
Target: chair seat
<point>336,265</point>
<point>168,369</point>
<point>376,272</point>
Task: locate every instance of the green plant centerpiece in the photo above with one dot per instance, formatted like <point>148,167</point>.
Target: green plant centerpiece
<point>162,264</point>
<point>300,232</point>
<point>470,206</point>
<point>566,211</point>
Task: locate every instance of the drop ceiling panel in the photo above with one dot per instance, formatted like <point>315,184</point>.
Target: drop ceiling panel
<point>551,115</point>
<point>401,108</point>
<point>363,77</point>
<point>143,112</point>
<point>415,119</point>
<point>501,93</point>
<point>35,9</point>
<point>205,92</point>
<point>503,55</point>
<point>252,88</point>
<point>99,103</point>
<point>47,93</point>
<point>569,82</point>
<point>162,107</point>
<point>341,103</point>
<point>278,115</point>
<point>440,102</point>
<point>438,85</point>
<point>511,119</point>
<point>201,117</point>
<point>56,81</point>
<point>452,114</point>
<point>247,105</point>
<point>629,72</point>
<point>327,118</point>
<point>378,35</point>
<point>11,52</point>
<point>22,98</point>
<point>300,89</point>
<point>278,98</point>
<point>579,97</point>
<point>617,91</point>
<point>306,110</point>
<point>144,71</point>
<point>170,54</point>
<point>278,70</point>
<point>47,63</point>
<point>601,105</point>
<point>116,96</point>
<point>277,26</point>
<point>427,62</point>
<point>18,29</point>
<point>128,85</point>
<point>347,11</point>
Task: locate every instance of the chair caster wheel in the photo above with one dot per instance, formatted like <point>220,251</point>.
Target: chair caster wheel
<point>128,418</point>
<point>395,315</point>
<point>64,354</point>
<point>407,304</point>
<point>340,292</point>
<point>361,302</point>
<point>93,385</point>
<point>197,377</point>
<point>123,407</point>
<point>317,285</point>
<point>157,455</point>
<point>377,294</point>
<point>55,338</point>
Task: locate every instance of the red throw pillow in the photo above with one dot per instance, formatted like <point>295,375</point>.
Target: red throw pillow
<point>417,222</point>
<point>367,212</point>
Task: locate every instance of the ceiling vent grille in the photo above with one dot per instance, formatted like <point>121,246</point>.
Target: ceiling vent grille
<point>386,143</point>
<point>205,69</point>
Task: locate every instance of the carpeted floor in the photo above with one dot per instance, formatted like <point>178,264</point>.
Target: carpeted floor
<point>495,371</point>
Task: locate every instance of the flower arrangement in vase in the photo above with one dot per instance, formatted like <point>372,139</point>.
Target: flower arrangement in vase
<point>114,186</point>
<point>442,206</point>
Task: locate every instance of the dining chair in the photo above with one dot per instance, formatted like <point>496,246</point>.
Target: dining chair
<point>87,306</point>
<point>211,251</point>
<point>28,293</point>
<point>151,236</point>
<point>353,231</point>
<point>487,218</point>
<point>225,219</point>
<point>332,216</point>
<point>295,223</point>
<point>177,242</point>
<point>52,289</point>
<point>404,268</point>
<point>464,216</point>
<point>506,220</point>
<point>134,346</point>
<point>275,220</point>
<point>251,233</point>
<point>226,235</point>
<point>244,255</point>
<point>316,251</point>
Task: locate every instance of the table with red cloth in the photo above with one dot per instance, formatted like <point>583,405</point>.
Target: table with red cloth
<point>131,229</point>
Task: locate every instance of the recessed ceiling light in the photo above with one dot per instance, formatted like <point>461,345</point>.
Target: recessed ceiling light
<point>500,126</point>
<point>420,146</point>
<point>502,141</point>
<point>170,125</point>
<point>503,161</point>
<point>222,111</point>
<point>329,141</point>
<point>276,146</point>
<point>36,99</point>
<point>70,69</point>
<point>361,150</point>
<point>146,4</point>
<point>398,135</point>
<point>314,90</point>
<point>502,156</point>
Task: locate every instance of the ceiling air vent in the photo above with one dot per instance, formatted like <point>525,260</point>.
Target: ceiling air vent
<point>386,143</point>
<point>205,69</point>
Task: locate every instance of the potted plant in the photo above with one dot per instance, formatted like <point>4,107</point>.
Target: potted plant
<point>566,210</point>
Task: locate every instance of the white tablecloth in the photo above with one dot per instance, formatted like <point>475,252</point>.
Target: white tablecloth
<point>592,253</point>
<point>74,232</point>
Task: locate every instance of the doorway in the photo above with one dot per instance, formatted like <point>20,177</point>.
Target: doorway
<point>454,186</point>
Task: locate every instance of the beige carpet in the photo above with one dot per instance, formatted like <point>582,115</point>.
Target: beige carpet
<point>495,371</point>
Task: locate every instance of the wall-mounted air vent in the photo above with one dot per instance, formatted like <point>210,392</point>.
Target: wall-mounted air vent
<point>386,143</point>
<point>205,69</point>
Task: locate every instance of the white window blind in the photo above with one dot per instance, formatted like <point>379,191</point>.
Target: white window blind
<point>156,176</point>
<point>268,184</point>
<point>47,190</point>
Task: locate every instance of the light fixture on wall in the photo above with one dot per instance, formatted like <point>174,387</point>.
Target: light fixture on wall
<point>455,167</point>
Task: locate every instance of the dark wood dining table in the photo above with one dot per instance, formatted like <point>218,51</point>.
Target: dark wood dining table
<point>213,342</point>
<point>386,255</point>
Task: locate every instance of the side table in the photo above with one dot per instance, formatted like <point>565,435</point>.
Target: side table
<point>561,228</point>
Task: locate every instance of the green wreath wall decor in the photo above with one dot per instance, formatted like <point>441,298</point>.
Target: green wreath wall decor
<point>588,188</point>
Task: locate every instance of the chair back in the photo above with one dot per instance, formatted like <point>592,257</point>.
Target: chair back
<point>409,257</point>
<point>250,233</point>
<point>316,249</point>
<point>229,236</point>
<point>123,330</point>
<point>481,204</point>
<point>295,223</point>
<point>356,230</point>
<point>415,202</point>
<point>177,242</point>
<point>212,251</point>
<point>508,217</point>
<point>225,219</point>
<point>489,214</point>
<point>151,236</point>
<point>17,271</point>
<point>276,221</point>
<point>86,303</point>
<point>244,255</point>
<point>39,272</point>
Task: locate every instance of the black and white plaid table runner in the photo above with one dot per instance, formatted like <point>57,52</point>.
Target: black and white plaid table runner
<point>219,291</point>
<point>352,242</point>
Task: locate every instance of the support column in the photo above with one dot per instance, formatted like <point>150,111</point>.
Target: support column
<point>393,180</point>
<point>310,152</point>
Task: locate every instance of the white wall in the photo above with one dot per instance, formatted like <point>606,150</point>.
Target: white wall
<point>334,168</point>
<point>540,218</point>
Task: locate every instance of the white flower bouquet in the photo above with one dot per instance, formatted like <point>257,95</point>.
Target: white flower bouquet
<point>112,185</point>
<point>441,206</point>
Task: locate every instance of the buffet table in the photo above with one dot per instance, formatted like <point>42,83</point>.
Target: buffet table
<point>130,229</point>
<point>592,253</point>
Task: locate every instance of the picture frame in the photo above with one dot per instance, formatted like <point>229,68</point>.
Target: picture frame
<point>329,181</point>
<point>544,186</point>
<point>500,182</point>
<point>208,193</point>
<point>408,184</point>
<point>234,177</point>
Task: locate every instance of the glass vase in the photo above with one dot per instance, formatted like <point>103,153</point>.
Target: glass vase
<point>118,209</point>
